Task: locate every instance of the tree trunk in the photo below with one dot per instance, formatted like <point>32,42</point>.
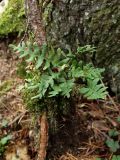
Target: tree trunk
<point>36,23</point>
<point>80,22</point>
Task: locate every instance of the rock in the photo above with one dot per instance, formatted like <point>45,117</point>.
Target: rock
<point>3,5</point>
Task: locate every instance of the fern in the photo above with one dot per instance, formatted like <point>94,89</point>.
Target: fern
<point>94,90</point>
<point>59,72</point>
<point>91,72</point>
<point>86,49</point>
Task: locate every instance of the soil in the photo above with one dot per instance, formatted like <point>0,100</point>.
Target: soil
<point>81,135</point>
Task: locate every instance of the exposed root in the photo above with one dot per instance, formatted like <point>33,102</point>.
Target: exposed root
<point>43,137</point>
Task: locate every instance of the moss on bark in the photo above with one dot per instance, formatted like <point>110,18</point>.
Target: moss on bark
<point>12,19</point>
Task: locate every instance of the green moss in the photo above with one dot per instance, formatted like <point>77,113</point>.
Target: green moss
<point>32,105</point>
<point>12,18</point>
<point>21,71</point>
<point>5,87</point>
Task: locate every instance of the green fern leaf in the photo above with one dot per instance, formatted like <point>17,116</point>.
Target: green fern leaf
<point>53,93</point>
<point>37,96</point>
<point>31,58</point>
<point>94,90</point>
<point>64,61</point>
<point>87,48</point>
<point>47,65</point>
<point>24,54</point>
<point>40,60</point>
<point>92,73</point>
<point>67,87</point>
<point>56,91</point>
<point>19,48</point>
<point>44,48</point>
<point>113,145</point>
<point>32,87</point>
<point>77,72</point>
<point>116,157</point>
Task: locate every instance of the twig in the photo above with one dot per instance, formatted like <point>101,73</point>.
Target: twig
<point>112,101</point>
<point>17,118</point>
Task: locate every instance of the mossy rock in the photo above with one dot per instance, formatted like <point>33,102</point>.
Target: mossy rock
<point>12,19</point>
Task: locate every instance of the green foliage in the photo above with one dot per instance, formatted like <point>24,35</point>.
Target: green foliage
<point>116,157</point>
<point>3,142</point>
<point>21,69</point>
<point>27,94</point>
<point>113,133</point>
<point>118,119</point>
<point>112,142</point>
<point>12,19</point>
<point>5,139</point>
<point>94,90</point>
<point>4,123</point>
<point>59,72</point>
<point>113,145</point>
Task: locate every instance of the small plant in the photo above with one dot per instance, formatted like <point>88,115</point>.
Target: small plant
<point>118,119</point>
<point>113,145</point>
<point>53,78</point>
<point>3,142</point>
<point>60,73</point>
<point>114,157</point>
<point>110,142</point>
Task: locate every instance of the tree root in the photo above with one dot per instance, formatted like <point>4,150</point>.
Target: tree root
<point>43,137</point>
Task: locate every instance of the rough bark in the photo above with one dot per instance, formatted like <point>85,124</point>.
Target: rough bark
<point>79,22</point>
<point>35,20</point>
<point>36,23</point>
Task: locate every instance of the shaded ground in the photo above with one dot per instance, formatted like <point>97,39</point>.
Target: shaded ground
<point>82,134</point>
<point>14,119</point>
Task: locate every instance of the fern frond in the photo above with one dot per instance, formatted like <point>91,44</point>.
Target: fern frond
<point>40,60</point>
<point>86,48</point>
<point>90,72</point>
<point>67,87</point>
<point>31,58</point>
<point>94,90</point>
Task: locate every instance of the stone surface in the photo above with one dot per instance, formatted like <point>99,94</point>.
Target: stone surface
<point>3,5</point>
<point>70,23</point>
